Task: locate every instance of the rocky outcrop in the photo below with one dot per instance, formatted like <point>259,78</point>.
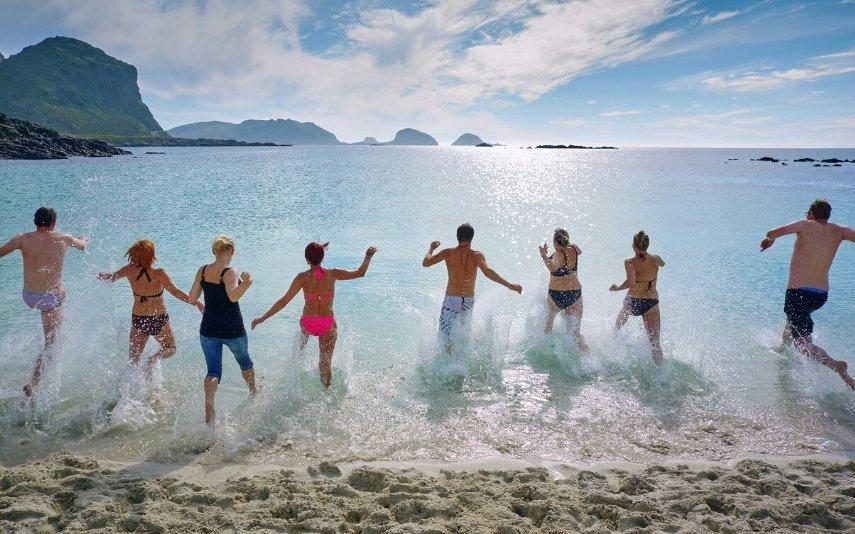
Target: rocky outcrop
<point>74,88</point>
<point>411,137</point>
<point>804,160</point>
<point>24,140</point>
<point>468,139</point>
<point>367,141</point>
<point>484,145</point>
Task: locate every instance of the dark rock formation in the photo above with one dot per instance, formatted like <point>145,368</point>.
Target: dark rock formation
<point>804,160</point>
<point>578,147</point>
<point>74,88</point>
<point>166,140</point>
<point>484,145</point>
<point>767,158</point>
<point>24,140</point>
<point>834,160</point>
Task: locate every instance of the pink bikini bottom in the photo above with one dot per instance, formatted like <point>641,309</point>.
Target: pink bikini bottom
<point>317,326</point>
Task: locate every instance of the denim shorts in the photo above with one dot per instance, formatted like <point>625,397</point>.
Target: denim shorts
<point>212,348</point>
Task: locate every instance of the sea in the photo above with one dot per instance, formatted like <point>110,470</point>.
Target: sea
<point>507,390</point>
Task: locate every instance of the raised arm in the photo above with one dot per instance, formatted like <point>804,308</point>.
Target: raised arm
<point>661,261</point>
<point>289,295</point>
<point>774,234</point>
<point>631,276</point>
<point>848,234</point>
<point>177,293</point>
<point>11,246</point>
<point>431,258</point>
<point>342,274</point>
<point>75,242</point>
<point>494,276</point>
<point>112,277</point>
<point>235,288</point>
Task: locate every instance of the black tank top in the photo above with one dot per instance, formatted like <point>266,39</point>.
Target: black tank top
<point>221,317</point>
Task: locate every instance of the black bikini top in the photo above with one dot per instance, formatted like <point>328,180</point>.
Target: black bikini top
<point>565,270</point>
<point>144,298</point>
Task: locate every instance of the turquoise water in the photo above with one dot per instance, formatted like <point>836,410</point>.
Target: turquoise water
<point>514,392</point>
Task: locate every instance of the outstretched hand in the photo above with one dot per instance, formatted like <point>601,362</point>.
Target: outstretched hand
<point>434,246</point>
<point>516,287</point>
<point>614,287</point>
<point>107,277</point>
<point>544,250</point>
<point>255,322</point>
<point>766,243</point>
<point>370,252</point>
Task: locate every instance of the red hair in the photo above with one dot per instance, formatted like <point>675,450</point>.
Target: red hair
<point>141,254</point>
<point>315,252</point>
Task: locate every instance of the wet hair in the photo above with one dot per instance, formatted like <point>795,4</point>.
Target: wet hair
<point>45,217</point>
<point>141,254</point>
<point>562,237</point>
<point>315,252</point>
<point>221,244</point>
<point>641,241</point>
<point>820,209</point>
<point>465,232</point>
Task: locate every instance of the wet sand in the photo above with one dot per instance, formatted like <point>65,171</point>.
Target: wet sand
<point>73,493</point>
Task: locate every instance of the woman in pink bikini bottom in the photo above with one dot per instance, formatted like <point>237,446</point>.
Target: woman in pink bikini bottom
<point>318,285</point>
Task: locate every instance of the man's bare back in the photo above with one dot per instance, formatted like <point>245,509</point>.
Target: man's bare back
<point>44,255</point>
<point>462,265</point>
<point>816,245</point>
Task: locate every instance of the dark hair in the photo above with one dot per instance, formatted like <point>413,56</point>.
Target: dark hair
<point>465,232</point>
<point>820,209</point>
<point>45,217</point>
<point>641,241</point>
<point>315,252</point>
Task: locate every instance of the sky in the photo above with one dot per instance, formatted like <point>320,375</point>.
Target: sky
<point>765,73</point>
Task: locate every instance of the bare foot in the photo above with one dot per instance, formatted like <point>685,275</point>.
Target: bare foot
<point>28,390</point>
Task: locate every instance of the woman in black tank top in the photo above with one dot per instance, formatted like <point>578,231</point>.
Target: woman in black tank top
<point>222,322</point>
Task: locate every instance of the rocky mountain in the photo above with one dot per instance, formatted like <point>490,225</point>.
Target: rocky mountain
<point>367,141</point>
<point>74,88</point>
<point>277,131</point>
<point>468,139</point>
<point>24,140</point>
<point>411,137</point>
<point>1,57</point>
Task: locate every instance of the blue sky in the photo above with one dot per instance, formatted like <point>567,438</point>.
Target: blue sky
<point>770,73</point>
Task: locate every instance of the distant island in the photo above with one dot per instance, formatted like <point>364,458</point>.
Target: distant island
<point>367,141</point>
<point>277,131</point>
<point>24,140</point>
<point>411,137</point>
<point>578,147</point>
<point>468,139</point>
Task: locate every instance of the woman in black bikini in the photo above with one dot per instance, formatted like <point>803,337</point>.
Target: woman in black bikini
<point>642,299</point>
<point>565,290</point>
<point>148,315</point>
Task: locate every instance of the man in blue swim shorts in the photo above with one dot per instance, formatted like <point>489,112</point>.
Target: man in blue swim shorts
<point>817,241</point>
<point>43,252</point>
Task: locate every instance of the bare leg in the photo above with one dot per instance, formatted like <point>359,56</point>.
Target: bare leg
<point>51,321</point>
<point>210,385</point>
<point>575,311</point>
<point>304,339</point>
<point>249,378</point>
<point>651,324</point>
<point>622,316</point>
<point>327,346</point>
<point>805,346</point>
<point>167,348</point>
<point>136,345</point>
<point>553,312</point>
<point>786,338</point>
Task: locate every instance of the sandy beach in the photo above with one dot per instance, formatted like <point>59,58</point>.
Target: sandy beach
<point>74,493</point>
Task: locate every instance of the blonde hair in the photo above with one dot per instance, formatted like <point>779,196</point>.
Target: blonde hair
<point>221,244</point>
<point>141,253</point>
<point>641,241</point>
<point>562,237</point>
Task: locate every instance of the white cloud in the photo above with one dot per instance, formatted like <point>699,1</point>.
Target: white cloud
<point>720,16</point>
<point>621,113</point>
